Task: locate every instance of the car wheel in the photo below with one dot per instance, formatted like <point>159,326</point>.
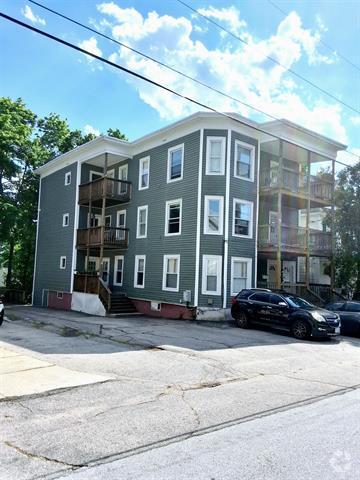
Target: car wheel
<point>242,320</point>
<point>1,319</point>
<point>300,329</point>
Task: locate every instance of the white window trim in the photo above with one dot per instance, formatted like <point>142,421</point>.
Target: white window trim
<point>223,152</point>
<point>118,213</point>
<point>167,217</point>
<point>66,215</point>
<point>94,172</point>
<point>67,175</point>
<point>249,269</point>
<point>164,287</point>
<point>251,227</point>
<point>137,258</point>
<point>252,160</point>
<point>59,295</point>
<point>124,167</point>
<point>63,257</point>
<point>218,258</point>
<point>116,258</point>
<point>170,150</point>
<point>141,207</point>
<point>111,173</point>
<point>221,214</point>
<point>96,215</point>
<point>141,162</point>
<point>107,216</point>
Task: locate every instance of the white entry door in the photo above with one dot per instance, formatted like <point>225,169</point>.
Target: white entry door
<point>289,271</point>
<point>106,270</point>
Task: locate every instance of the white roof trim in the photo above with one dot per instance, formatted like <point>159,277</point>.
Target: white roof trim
<point>106,143</point>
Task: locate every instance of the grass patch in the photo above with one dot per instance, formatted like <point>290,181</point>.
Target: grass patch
<point>69,332</point>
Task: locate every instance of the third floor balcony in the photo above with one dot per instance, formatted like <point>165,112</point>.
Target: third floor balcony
<point>112,190</point>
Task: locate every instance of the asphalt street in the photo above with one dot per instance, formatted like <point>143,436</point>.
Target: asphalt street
<point>318,441</point>
<point>166,381</point>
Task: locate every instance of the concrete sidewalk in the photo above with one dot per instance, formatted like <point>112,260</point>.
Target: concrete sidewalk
<point>24,375</point>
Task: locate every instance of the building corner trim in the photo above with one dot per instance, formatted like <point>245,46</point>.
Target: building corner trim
<point>255,279</point>
<point>36,242</point>
<point>226,226</point>
<point>76,222</point>
<point>198,221</point>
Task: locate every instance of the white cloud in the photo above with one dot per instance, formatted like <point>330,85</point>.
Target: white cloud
<point>229,16</point>
<point>90,129</point>
<point>242,71</point>
<point>347,158</point>
<point>30,15</point>
<point>91,46</point>
<point>355,120</point>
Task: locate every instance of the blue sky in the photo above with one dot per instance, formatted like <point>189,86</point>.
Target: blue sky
<point>52,78</point>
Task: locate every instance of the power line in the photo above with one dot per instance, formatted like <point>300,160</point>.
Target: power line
<point>107,37</point>
<point>333,50</point>
<point>159,62</point>
<point>272,59</point>
<point>148,80</point>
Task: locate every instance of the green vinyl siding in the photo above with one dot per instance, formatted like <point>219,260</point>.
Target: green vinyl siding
<point>54,240</point>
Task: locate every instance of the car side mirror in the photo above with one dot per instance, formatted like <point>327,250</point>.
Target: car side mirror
<point>282,304</point>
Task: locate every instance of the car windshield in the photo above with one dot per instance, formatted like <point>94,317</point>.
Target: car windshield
<point>298,302</point>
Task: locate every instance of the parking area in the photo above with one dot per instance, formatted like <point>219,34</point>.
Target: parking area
<point>164,379</point>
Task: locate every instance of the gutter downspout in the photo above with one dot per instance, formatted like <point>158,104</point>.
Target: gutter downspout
<point>198,221</point>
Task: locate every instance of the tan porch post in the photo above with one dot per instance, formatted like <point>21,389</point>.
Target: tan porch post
<point>307,230</point>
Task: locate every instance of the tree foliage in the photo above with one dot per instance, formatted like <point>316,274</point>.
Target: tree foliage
<point>26,143</point>
<point>347,229</point>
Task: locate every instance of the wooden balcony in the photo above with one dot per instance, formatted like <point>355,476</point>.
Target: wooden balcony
<point>293,239</point>
<point>87,283</point>
<point>108,237</point>
<point>114,191</point>
<point>297,184</point>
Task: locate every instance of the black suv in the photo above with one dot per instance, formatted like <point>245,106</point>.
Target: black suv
<point>283,310</point>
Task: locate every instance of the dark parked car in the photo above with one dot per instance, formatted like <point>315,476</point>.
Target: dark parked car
<point>349,313</point>
<point>283,310</point>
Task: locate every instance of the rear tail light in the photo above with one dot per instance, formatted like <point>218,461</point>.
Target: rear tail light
<point>233,300</point>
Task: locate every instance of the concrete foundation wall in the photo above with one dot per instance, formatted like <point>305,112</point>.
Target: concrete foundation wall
<point>87,303</point>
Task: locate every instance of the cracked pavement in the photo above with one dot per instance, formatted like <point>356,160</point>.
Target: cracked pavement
<point>168,380</point>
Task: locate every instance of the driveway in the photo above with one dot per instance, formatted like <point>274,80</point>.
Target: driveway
<point>168,380</point>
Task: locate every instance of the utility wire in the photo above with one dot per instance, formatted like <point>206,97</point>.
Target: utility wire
<point>159,62</point>
<point>138,52</point>
<point>148,80</point>
<point>332,49</point>
<point>272,59</point>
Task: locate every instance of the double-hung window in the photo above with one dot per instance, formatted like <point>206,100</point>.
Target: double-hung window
<point>211,275</point>
<point>120,224</point>
<point>240,274</point>
<point>215,156</point>
<point>142,220</point>
<point>175,163</point>
<point>244,161</point>
<point>171,273</point>
<point>213,215</point>
<point>173,217</point>
<point>139,274</point>
<point>118,270</point>
<point>144,173</point>
<point>123,175</point>
<point>242,218</point>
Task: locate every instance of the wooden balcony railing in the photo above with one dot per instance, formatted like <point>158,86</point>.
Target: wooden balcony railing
<point>87,283</point>
<point>109,188</point>
<point>297,183</point>
<point>294,238</point>
<point>110,237</point>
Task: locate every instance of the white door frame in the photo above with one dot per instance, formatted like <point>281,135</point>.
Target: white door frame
<point>292,263</point>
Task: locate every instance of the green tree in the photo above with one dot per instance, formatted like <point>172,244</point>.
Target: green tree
<point>26,143</point>
<point>115,132</point>
<point>347,229</point>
